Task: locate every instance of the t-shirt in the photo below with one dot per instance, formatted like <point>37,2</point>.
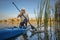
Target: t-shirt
<point>22,17</point>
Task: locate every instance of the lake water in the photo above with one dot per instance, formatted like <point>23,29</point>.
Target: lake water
<point>51,33</point>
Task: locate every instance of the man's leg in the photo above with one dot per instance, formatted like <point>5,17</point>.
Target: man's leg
<point>25,37</point>
<point>26,24</point>
<point>21,24</point>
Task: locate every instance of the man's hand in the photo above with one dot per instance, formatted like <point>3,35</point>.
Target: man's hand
<point>19,15</point>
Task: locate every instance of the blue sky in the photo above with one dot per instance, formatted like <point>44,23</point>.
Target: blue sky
<point>7,9</point>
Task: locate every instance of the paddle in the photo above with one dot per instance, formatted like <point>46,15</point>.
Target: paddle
<point>24,16</point>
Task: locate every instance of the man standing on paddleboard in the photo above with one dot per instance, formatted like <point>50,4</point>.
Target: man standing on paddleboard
<point>23,17</point>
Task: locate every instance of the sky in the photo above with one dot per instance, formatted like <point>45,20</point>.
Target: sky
<point>8,10</point>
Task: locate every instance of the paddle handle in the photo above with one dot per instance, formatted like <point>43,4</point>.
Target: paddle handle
<point>15,6</point>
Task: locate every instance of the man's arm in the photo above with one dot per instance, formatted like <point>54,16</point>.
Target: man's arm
<point>19,15</point>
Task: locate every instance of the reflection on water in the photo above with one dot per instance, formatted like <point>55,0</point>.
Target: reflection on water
<point>5,25</point>
<point>35,37</point>
<point>51,33</point>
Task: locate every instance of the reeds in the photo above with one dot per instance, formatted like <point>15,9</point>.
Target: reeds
<point>43,4</point>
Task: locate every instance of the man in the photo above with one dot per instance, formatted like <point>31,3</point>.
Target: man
<point>24,18</point>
